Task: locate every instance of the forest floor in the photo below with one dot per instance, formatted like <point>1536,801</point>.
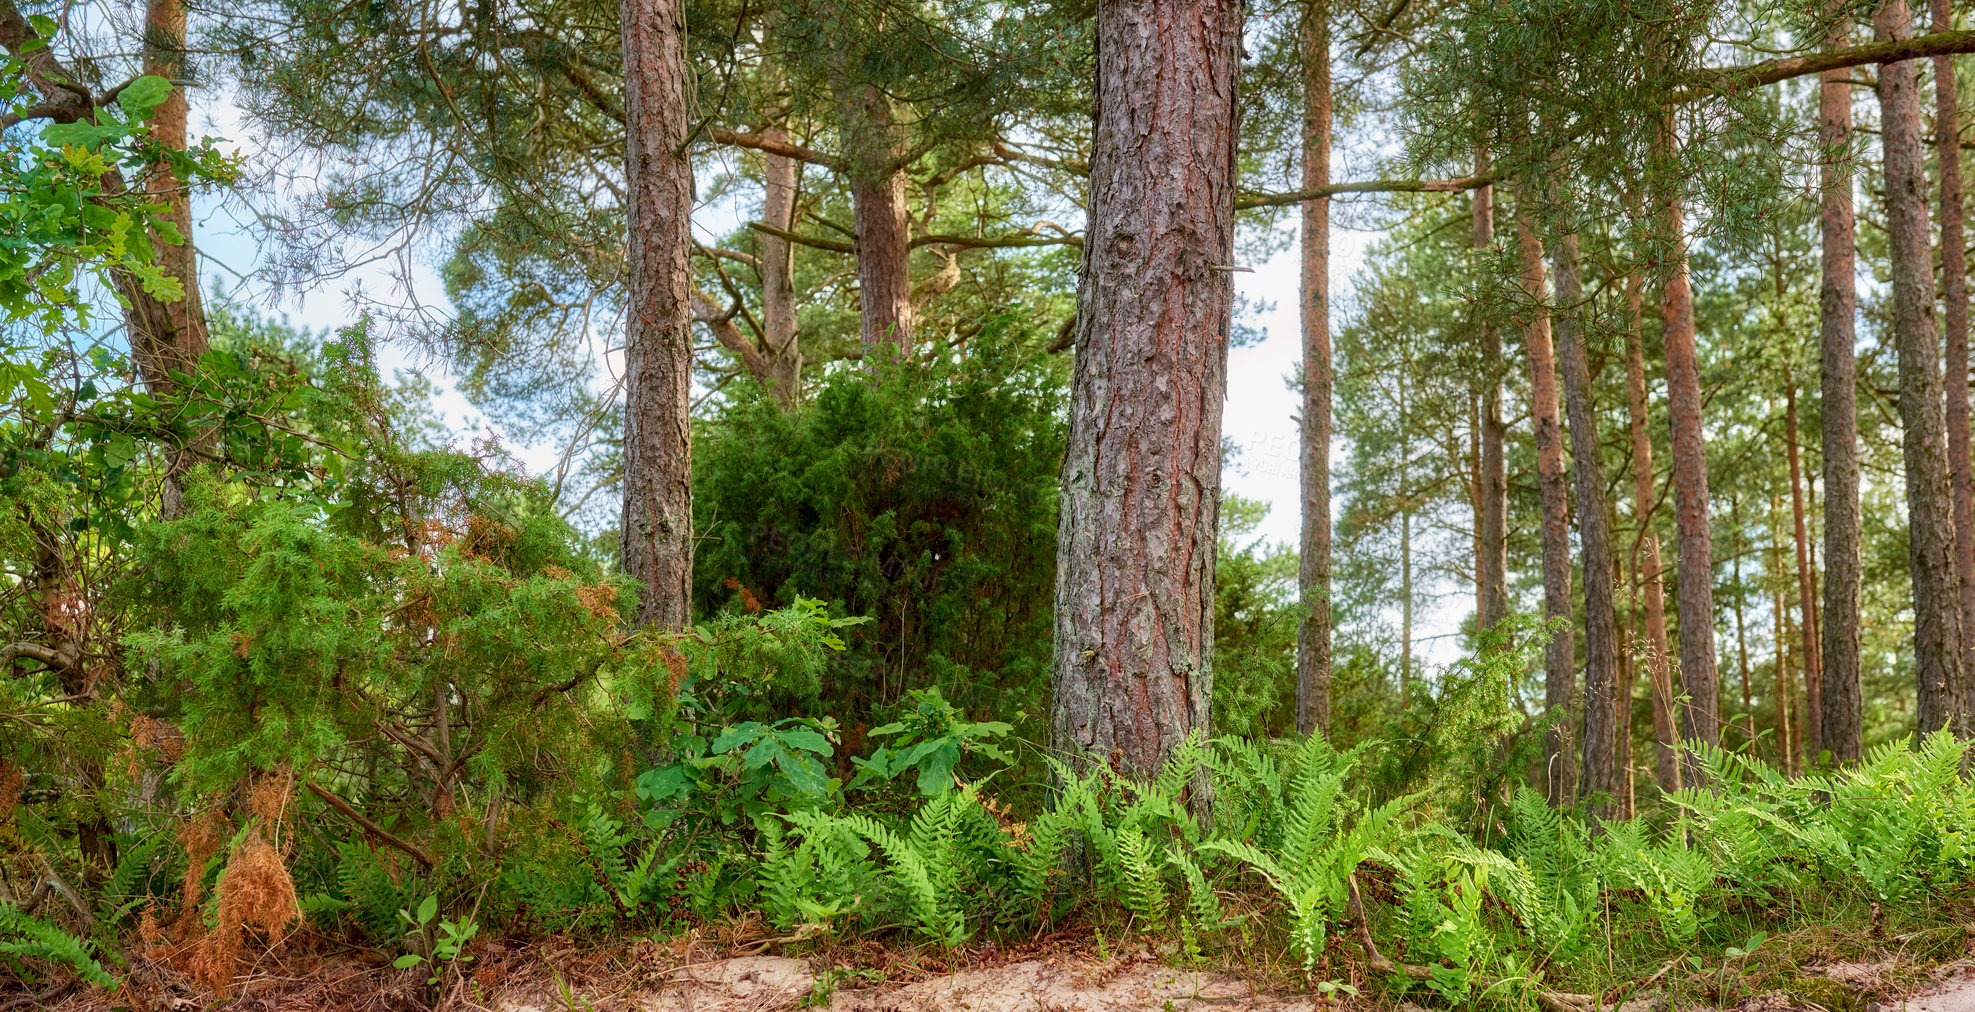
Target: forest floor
<point>548,976</point>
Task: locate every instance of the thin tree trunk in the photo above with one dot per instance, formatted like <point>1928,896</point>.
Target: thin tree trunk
<point>1628,676</point>
<point>1405,544</point>
<point>1474,498</point>
<point>657,548</point>
<point>1923,409</point>
<point>1806,583</point>
<point>880,228</point>
<point>1789,734</point>
<point>1954,319</point>
<point>1841,723</point>
<point>1741,624</point>
<point>1492,568</point>
<point>1603,730</point>
<point>1313,571</point>
<point>1142,471</point>
<point>1659,674</point>
<point>782,346</point>
<point>1560,655</point>
<point>1701,716</point>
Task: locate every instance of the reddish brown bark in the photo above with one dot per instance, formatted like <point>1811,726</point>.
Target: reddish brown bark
<point>1553,511</point>
<point>1701,714</point>
<point>1646,562</point>
<point>1492,568</point>
<point>1789,739</point>
<point>882,233</point>
<point>1954,321</point>
<point>1922,402</point>
<point>657,530</point>
<point>1813,735</point>
<point>1840,722</point>
<point>781,347</point>
<point>1602,763</point>
<point>1141,473</point>
<point>1313,574</point>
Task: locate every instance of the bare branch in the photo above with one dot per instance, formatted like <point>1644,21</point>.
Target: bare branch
<point>1462,184</point>
<point>772,146</point>
<point>802,240</point>
<point>382,835</point>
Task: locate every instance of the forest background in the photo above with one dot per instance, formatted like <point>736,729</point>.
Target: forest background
<point>838,605</point>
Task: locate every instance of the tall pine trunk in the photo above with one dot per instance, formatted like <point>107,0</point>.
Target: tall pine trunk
<point>782,348</point>
<point>1841,721</point>
<point>1492,568</point>
<point>1553,511</point>
<point>1659,673</point>
<point>1813,737</point>
<point>1923,409</point>
<point>1142,470</point>
<point>1701,716</point>
<point>880,229</point>
<point>1954,319</point>
<point>657,532</point>
<point>1313,572</point>
<point>1602,727</point>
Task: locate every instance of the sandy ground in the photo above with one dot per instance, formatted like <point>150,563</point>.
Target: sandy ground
<point>1070,984</point>
<point>773,983</point>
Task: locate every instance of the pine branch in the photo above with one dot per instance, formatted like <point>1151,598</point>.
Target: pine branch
<point>1369,186</point>
<point>1715,80</point>
<point>379,832</point>
<point>31,651</point>
<point>773,147</point>
<point>802,240</point>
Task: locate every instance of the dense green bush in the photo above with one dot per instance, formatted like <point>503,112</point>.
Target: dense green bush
<point>921,494</point>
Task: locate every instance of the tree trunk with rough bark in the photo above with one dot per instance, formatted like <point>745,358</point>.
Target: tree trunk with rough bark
<point>880,228</point>
<point>781,347</point>
<point>1492,568</point>
<point>1646,562</point>
<point>1695,591</point>
<point>1922,403</point>
<point>1841,721</point>
<point>1954,319</point>
<point>657,527</point>
<point>1701,715</point>
<point>1142,471</point>
<point>1602,728</point>
<point>1813,735</point>
<point>1560,654</point>
<point>1313,571</point>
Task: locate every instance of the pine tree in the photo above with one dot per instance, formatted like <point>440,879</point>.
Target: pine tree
<point>1141,477</point>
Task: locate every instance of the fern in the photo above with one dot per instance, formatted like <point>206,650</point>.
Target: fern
<point>1145,895</point>
<point>932,915</point>
<point>28,938</point>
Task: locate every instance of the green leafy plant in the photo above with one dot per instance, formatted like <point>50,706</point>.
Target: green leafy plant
<point>438,942</point>
<point>30,941</point>
<point>931,737</point>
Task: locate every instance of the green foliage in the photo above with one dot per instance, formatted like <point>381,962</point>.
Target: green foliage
<point>26,942</point>
<point>1256,616</point>
<point>931,737</point>
<point>66,214</point>
<point>921,494</point>
<point>1317,854</point>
